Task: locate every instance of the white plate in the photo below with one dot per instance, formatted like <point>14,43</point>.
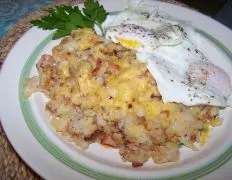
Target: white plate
<point>24,121</point>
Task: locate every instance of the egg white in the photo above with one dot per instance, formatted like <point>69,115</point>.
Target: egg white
<point>168,46</point>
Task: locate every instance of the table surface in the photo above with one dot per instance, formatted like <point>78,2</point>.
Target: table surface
<point>11,166</point>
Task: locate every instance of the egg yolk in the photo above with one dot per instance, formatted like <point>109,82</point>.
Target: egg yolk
<point>129,42</point>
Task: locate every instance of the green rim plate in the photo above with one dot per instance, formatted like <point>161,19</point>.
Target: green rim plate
<point>63,157</point>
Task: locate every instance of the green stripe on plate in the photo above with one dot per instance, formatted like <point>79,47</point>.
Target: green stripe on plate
<point>63,157</point>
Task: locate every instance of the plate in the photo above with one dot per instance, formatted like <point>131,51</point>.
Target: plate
<point>25,124</point>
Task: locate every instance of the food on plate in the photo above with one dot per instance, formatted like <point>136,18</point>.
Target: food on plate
<point>141,87</point>
<point>99,92</point>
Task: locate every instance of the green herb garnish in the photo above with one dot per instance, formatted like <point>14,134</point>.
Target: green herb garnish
<point>65,18</point>
<point>180,145</point>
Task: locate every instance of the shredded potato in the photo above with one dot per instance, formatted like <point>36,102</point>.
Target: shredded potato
<point>99,92</point>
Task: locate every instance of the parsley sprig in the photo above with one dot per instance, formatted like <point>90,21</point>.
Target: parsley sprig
<point>65,18</point>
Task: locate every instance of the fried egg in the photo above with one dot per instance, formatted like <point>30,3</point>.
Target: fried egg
<point>182,72</point>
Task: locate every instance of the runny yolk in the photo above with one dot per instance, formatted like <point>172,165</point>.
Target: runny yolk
<point>204,136</point>
<point>128,42</point>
